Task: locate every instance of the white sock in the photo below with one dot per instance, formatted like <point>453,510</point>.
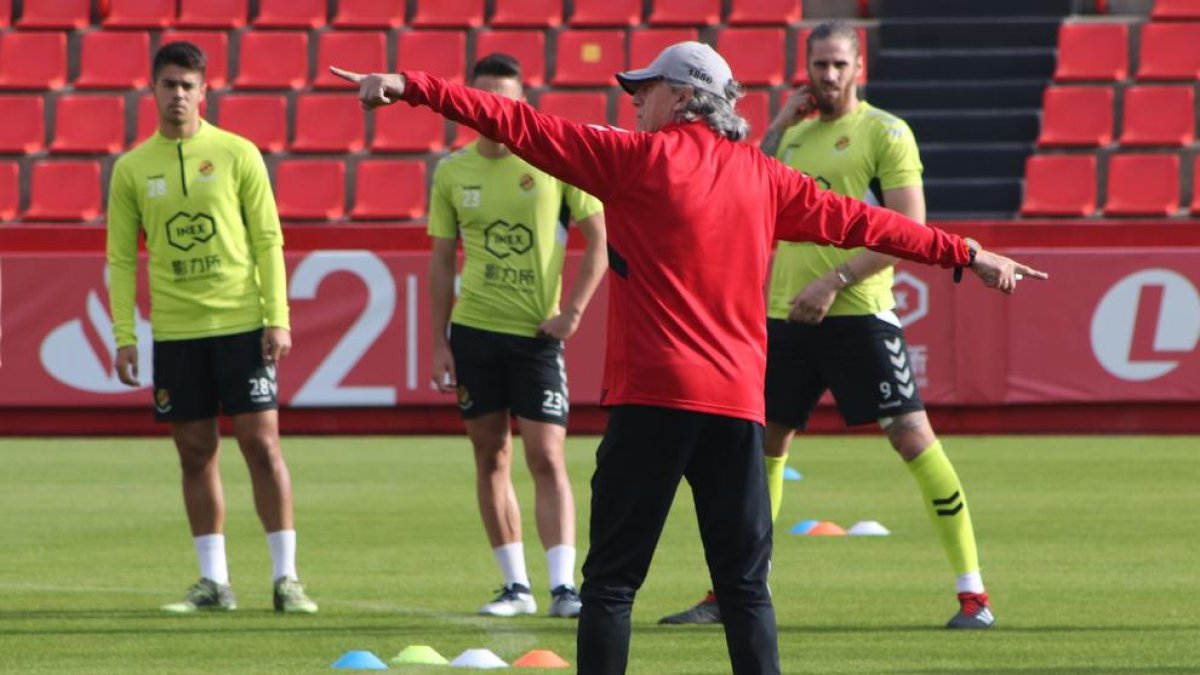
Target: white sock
<point>971,582</point>
<point>560,560</point>
<point>210,550</point>
<point>283,553</point>
<point>511,558</point>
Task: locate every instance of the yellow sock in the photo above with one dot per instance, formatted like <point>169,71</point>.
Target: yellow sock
<point>946,504</point>
<point>775,467</point>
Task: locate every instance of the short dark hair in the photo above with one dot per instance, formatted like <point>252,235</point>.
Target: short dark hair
<point>182,54</point>
<point>497,65</point>
<point>835,29</point>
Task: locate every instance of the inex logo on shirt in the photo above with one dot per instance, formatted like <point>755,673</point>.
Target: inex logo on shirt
<point>502,239</point>
<point>185,230</point>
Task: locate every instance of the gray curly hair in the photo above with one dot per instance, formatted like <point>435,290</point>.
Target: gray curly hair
<point>718,112</point>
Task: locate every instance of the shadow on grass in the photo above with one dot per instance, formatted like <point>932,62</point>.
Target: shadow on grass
<point>1154,670</point>
<point>1038,630</point>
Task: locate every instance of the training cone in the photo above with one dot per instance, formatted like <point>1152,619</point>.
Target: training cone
<point>791,474</point>
<point>541,658</point>
<point>478,658</point>
<point>826,528</point>
<point>420,654</point>
<point>804,526</point>
<point>360,660</point>
<point>868,528</point>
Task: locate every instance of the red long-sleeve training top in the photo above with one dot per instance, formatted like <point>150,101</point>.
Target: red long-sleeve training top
<point>691,217</point>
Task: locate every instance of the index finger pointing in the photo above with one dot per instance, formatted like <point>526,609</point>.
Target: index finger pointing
<point>347,75</point>
<point>1030,272</point>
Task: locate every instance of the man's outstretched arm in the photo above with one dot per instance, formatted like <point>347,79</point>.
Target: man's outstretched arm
<point>591,157</point>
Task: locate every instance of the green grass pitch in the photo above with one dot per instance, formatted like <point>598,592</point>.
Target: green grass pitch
<point>1089,547</point>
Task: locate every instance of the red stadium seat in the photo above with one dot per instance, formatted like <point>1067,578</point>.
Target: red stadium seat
<point>89,124</point>
<point>1142,185</point>
<point>10,190</point>
<point>310,189</point>
<point>756,55</point>
<point>526,46</point>
<point>1156,115</point>
<point>800,75</point>
<point>597,13</point>
<point>33,60</point>
<point>755,107</point>
<point>262,118</point>
<point>112,59</point>
<point>273,60</point>
<point>328,123</point>
<point>369,14</point>
<point>685,13</point>
<point>1077,116</point>
<point>438,52</point>
<point>402,128</point>
<point>64,14</point>
<point>589,57</point>
<point>214,44</point>
<point>645,45</point>
<point>764,12</point>
<point>448,13</point>
<point>64,190</point>
<point>1169,51</point>
<point>388,189</point>
<point>1060,185</point>
<point>360,51</point>
<point>139,14</point>
<point>24,128</point>
<point>212,13</point>
<point>5,13</point>
<point>1092,51</point>
<point>1175,9</point>
<point>291,13</point>
<point>585,107</point>
<point>527,14</point>
<point>1196,186</point>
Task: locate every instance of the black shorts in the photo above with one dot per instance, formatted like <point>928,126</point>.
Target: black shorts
<point>497,371</point>
<point>196,379</point>
<point>863,360</point>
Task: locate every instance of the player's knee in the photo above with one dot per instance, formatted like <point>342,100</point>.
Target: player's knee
<point>909,434</point>
<point>261,453</point>
<point>196,458</point>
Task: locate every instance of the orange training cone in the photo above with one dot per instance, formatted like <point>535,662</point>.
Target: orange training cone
<point>541,658</point>
<point>826,528</point>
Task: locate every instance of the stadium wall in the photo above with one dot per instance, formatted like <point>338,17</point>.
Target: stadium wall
<point>1108,345</point>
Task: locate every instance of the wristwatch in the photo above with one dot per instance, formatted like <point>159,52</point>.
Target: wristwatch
<point>973,249</point>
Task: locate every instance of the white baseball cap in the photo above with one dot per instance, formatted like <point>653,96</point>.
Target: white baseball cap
<point>692,63</point>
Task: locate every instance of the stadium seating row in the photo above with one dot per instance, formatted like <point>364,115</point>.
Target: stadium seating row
<point>112,59</point>
<point>228,14</point>
<point>322,123</point>
<point>384,189</point>
<point>1137,185</point>
<point>1166,10</point>
<point>1082,116</point>
<point>1099,52</point>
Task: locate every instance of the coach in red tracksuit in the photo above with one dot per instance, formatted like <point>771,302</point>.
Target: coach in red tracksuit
<point>691,214</point>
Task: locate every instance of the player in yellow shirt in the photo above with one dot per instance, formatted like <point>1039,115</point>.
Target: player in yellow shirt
<point>830,319</point>
<point>202,199</point>
<point>503,351</point>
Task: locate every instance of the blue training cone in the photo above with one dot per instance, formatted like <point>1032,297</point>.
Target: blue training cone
<point>791,474</point>
<point>804,526</point>
<point>360,660</point>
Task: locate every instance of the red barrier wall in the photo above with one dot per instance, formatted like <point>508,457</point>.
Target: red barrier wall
<point>1109,344</point>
